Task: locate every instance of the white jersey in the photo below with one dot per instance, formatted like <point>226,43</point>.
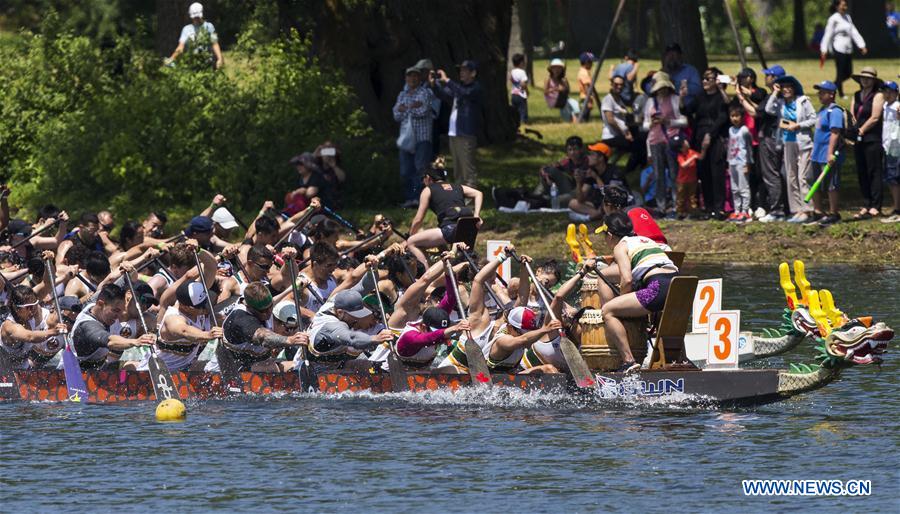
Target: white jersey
<point>483,340</point>
<point>312,302</point>
<point>544,352</point>
<point>19,351</point>
<point>511,362</point>
<point>178,354</point>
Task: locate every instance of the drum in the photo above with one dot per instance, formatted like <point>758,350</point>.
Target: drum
<point>597,353</point>
<point>590,293</point>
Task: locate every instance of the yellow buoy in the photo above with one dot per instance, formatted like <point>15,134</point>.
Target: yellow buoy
<point>170,410</point>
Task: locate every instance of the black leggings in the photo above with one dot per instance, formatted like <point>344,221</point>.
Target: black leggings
<point>844,67</point>
<point>869,169</point>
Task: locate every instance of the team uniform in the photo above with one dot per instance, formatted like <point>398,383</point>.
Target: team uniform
<point>544,352</point>
<point>178,354</point>
<point>24,355</point>
<point>646,255</point>
<point>239,328</point>
<point>90,339</point>
<point>457,356</point>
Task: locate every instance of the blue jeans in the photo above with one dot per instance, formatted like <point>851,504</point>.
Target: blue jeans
<point>411,166</point>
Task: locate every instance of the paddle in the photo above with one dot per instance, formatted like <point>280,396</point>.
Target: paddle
<point>299,224</point>
<point>303,371</point>
<point>75,385</point>
<point>487,287</point>
<point>159,371</point>
<point>340,219</point>
<point>399,383</point>
<point>574,361</point>
<point>227,366</point>
<point>476,363</point>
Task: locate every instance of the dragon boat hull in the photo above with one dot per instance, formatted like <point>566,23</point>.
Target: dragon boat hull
<point>738,387</point>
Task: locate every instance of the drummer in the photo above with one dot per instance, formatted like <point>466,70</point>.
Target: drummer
<point>644,273</point>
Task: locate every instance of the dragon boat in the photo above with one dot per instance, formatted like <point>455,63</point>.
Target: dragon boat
<point>670,376</point>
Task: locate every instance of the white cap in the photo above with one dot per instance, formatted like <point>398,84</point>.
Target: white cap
<point>195,10</point>
<point>286,312</point>
<point>224,218</point>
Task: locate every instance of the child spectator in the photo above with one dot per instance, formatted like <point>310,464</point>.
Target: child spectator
<point>827,142</point>
<point>739,159</point>
<point>686,180</point>
<point>584,83</point>
<point>890,137</point>
<point>519,93</point>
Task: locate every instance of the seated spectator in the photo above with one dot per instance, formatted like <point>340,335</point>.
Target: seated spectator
<point>328,158</point>
<point>562,173</point>
<point>589,183</point>
<point>627,70</point>
<point>557,92</point>
<point>620,126</point>
<point>311,184</point>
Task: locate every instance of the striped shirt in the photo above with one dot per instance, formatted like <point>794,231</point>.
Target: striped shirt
<point>646,254</point>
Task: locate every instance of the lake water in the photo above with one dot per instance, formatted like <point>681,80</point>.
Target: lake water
<point>478,452</point>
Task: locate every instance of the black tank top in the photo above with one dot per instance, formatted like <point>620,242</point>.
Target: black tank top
<point>448,202</point>
<point>862,111</point>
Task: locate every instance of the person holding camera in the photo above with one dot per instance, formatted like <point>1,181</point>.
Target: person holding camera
<point>663,120</point>
<point>620,128</point>
<point>465,120</point>
<point>796,119</point>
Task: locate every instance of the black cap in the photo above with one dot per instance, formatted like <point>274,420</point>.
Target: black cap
<point>436,318</point>
<point>199,224</point>
<point>19,228</point>
<point>469,64</point>
<point>69,303</point>
<point>436,173</point>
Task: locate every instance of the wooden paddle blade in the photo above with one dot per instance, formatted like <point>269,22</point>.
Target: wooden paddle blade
<point>577,367</point>
<point>75,385</point>
<point>478,367</point>
<point>229,369</point>
<point>399,382</point>
<point>163,385</point>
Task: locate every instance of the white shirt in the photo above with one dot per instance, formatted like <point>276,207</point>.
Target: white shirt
<point>619,111</point>
<point>890,130</point>
<point>840,35</point>
<point>451,130</point>
<point>519,80</point>
<point>189,32</point>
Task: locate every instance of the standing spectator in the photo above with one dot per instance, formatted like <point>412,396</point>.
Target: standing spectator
<point>840,36</point>
<point>890,140</point>
<point>739,159</point>
<point>429,78</point>
<point>465,120</point>
<point>796,119</point>
<point>584,83</point>
<point>865,110</point>
<point>681,73</point>
<point>686,180</point>
<point>519,93</point>
<point>556,91</point>
<point>199,37</point>
<point>746,87</point>
<point>892,21</point>
<point>328,158</point>
<point>628,70</point>
<point>620,126</point>
<point>828,141</point>
<point>662,121</point>
<point>710,111</point>
<point>771,153</point>
<point>413,107</point>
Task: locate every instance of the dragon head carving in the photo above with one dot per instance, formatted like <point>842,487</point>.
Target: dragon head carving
<point>803,322</point>
<point>858,341</point>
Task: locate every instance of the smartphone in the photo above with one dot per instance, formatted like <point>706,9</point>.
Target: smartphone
<point>785,123</point>
<point>329,152</point>
<point>723,79</point>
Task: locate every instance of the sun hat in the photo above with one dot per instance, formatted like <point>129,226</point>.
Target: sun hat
<point>866,72</point>
<point>791,80</point>
<point>660,83</point>
<point>556,62</point>
<point>425,65</point>
<point>195,10</point>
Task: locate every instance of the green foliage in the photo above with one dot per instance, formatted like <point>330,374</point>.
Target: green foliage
<point>81,127</point>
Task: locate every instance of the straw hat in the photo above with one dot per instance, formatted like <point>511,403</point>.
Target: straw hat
<point>867,72</point>
<point>556,62</point>
<point>660,83</point>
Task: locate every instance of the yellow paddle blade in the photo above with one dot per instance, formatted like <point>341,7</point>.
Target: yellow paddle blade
<point>835,316</point>
<point>802,284</point>
<point>815,310</point>
<point>790,291</point>
<point>572,241</point>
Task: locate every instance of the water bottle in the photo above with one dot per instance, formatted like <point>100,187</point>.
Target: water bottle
<point>554,196</point>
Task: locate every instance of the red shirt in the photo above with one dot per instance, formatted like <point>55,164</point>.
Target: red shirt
<point>687,167</point>
<point>645,226</point>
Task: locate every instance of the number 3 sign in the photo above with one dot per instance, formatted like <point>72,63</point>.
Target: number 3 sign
<point>707,300</point>
<point>723,339</point>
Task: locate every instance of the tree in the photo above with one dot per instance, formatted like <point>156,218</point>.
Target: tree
<point>373,42</point>
<point>869,19</point>
<point>171,15</point>
<point>679,22</point>
<point>798,42</point>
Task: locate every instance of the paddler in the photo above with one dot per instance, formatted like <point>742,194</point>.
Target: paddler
<point>29,334</point>
<point>644,273</point>
<point>338,332</point>
<point>249,333</point>
<point>185,329</point>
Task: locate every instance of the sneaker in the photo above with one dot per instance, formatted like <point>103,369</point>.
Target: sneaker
<point>768,218</point>
<point>747,217</point>
<point>830,219</point>
<point>893,218</point>
<point>734,216</point>
<point>799,218</point>
<point>628,367</point>
<point>759,213</point>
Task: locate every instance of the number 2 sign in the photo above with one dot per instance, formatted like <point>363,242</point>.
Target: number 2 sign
<point>723,339</point>
<point>707,300</point>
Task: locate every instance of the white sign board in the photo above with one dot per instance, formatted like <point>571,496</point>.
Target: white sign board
<point>723,342</point>
<point>493,250</point>
<point>707,299</point>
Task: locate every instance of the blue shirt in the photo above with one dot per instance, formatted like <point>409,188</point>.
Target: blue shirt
<point>648,180</point>
<point>622,70</point>
<point>829,117</point>
<point>789,112</point>
<point>692,76</point>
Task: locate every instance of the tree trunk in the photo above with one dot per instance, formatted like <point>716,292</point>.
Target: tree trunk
<point>680,23</point>
<point>589,21</point>
<point>798,42</point>
<point>869,20</point>
<point>373,43</point>
<point>171,16</point>
<point>762,10</point>
<point>521,35</point>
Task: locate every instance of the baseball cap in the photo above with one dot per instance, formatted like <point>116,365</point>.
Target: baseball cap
<point>776,70</point>
<point>436,173</point>
<point>191,294</point>
<point>19,228</point>
<point>425,65</point>
<point>199,224</point>
<point>435,318</point>
<point>224,218</point>
<point>352,303</point>
<point>70,303</point>
<point>890,84</point>
<point>469,64</point>
<point>413,69</point>
<point>826,85</point>
<point>286,312</point>
<point>524,319</point>
<point>586,57</point>
<point>195,10</point>
<point>601,148</point>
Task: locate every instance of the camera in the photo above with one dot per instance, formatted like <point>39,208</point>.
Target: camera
<point>329,152</point>
<point>723,79</point>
